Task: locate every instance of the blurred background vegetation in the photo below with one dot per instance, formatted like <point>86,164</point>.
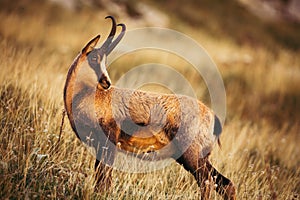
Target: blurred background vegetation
<point>255,44</point>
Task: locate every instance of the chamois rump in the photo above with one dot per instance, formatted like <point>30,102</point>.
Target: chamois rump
<point>109,118</point>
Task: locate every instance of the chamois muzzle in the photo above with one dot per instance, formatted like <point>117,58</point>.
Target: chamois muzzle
<point>104,82</point>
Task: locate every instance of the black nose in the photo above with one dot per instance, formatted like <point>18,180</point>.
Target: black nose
<point>104,82</point>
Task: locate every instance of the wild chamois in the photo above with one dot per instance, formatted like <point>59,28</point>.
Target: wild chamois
<point>107,118</point>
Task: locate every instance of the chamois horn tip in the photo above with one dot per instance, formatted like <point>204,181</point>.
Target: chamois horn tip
<point>109,16</point>
<point>112,19</point>
<point>123,26</point>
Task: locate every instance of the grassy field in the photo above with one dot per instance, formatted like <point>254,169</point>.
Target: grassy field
<point>260,143</point>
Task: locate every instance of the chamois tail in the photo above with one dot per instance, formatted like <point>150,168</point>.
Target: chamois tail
<point>217,129</point>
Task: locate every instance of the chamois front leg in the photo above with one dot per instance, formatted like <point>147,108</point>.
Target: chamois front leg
<point>103,167</point>
<point>103,176</point>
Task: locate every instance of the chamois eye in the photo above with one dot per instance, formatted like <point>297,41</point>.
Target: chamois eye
<point>93,58</point>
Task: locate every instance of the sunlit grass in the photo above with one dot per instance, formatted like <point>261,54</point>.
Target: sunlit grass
<point>260,150</point>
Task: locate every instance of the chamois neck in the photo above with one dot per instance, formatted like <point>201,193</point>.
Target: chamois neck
<point>80,78</point>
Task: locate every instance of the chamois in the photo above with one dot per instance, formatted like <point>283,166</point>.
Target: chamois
<point>109,118</point>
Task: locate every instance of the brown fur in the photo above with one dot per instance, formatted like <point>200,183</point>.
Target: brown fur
<point>140,122</point>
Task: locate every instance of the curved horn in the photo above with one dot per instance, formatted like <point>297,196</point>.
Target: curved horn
<point>111,35</point>
<point>117,40</point>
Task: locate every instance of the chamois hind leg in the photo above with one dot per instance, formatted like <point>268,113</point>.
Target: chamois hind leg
<point>205,174</point>
<point>225,186</point>
<point>198,169</point>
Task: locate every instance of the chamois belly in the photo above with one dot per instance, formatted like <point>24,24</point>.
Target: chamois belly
<point>147,140</point>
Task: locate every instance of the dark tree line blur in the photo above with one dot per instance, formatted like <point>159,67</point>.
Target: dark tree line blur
<point>271,9</point>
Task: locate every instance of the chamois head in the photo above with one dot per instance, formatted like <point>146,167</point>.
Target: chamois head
<point>96,57</point>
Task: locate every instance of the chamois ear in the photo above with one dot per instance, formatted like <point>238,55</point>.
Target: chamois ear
<point>90,46</point>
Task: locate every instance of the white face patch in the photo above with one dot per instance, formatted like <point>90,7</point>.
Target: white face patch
<point>103,67</point>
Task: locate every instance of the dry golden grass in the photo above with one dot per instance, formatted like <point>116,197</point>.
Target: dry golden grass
<point>260,150</point>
